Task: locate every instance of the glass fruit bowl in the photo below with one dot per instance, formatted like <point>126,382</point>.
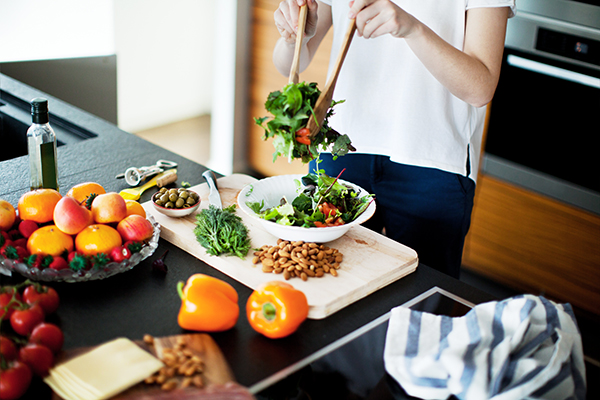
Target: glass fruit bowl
<point>7,266</point>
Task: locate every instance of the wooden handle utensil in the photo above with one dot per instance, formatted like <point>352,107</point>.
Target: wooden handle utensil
<point>324,100</point>
<point>294,74</point>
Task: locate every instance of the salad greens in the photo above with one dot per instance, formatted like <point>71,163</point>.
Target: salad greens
<point>291,108</point>
<point>221,231</point>
<point>322,201</point>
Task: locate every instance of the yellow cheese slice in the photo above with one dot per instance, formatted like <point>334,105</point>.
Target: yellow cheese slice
<point>103,372</point>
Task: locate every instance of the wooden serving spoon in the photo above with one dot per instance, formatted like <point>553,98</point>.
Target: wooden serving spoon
<point>324,100</point>
<point>294,74</point>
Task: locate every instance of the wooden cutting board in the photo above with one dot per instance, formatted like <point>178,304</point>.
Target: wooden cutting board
<point>216,370</point>
<point>371,261</point>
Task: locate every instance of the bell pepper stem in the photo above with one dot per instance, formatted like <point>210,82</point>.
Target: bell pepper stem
<point>180,289</point>
<point>269,311</point>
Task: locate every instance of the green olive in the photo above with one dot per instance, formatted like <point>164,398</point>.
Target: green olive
<point>159,203</point>
<point>164,198</point>
<point>179,203</point>
<point>169,205</point>
<point>190,201</point>
<point>162,190</point>
<point>184,195</point>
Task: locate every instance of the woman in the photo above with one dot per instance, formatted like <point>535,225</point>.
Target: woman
<point>416,81</point>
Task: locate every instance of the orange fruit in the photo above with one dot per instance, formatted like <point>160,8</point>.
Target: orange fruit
<point>108,208</point>
<point>38,205</point>
<point>49,240</point>
<point>83,190</point>
<point>97,238</point>
<point>7,215</point>
<point>133,207</point>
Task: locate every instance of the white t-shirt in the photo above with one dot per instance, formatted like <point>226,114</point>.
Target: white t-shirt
<point>394,106</point>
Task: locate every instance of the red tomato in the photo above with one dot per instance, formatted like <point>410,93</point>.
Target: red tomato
<point>5,298</point>
<point>14,380</point>
<point>38,357</point>
<point>45,296</point>
<point>58,263</point>
<point>8,350</point>
<point>48,335</point>
<point>23,321</point>
<point>119,254</point>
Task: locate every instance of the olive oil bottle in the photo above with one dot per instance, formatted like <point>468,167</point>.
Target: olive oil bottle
<point>41,146</point>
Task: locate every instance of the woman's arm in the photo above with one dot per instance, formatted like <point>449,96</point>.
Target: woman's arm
<point>318,22</point>
<point>472,74</point>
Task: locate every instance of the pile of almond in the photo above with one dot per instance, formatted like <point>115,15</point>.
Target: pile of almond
<point>182,367</point>
<point>298,259</point>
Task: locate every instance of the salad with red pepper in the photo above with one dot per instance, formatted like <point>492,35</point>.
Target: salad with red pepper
<point>291,109</point>
<point>322,201</point>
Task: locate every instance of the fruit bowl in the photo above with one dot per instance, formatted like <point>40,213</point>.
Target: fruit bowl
<point>68,275</point>
<point>271,190</point>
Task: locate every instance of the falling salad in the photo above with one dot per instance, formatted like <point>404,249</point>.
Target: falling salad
<point>291,109</point>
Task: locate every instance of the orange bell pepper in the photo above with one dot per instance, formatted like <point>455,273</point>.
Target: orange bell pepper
<point>207,304</point>
<point>276,309</point>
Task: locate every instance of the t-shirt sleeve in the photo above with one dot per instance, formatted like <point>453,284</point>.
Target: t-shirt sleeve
<point>493,3</point>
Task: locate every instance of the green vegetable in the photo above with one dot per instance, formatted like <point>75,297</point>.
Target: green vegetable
<point>221,231</point>
<point>315,190</point>
<point>291,108</point>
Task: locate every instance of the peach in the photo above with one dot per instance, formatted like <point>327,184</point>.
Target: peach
<point>7,215</point>
<point>70,216</point>
<point>108,208</point>
<point>135,228</point>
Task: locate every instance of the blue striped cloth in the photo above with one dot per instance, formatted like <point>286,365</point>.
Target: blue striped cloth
<point>522,347</point>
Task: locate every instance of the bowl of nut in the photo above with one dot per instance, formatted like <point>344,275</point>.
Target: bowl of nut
<point>176,202</point>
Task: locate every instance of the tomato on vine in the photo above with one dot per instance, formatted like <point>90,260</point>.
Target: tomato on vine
<point>16,378</point>
<point>45,296</point>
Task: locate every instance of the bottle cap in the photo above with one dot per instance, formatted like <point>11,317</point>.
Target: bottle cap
<point>39,110</point>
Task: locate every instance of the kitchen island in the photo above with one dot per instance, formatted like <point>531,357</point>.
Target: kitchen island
<point>142,301</point>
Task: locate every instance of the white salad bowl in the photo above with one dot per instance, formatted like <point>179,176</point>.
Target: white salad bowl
<point>272,189</point>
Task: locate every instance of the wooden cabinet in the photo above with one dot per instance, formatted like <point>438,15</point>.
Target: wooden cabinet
<point>535,244</point>
<point>264,78</point>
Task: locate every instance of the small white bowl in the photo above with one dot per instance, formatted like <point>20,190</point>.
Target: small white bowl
<point>271,190</point>
<point>177,212</point>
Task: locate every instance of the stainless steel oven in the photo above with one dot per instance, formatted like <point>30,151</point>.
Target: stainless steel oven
<point>545,116</point>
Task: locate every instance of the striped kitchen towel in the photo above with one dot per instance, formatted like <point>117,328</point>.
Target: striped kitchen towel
<point>519,348</point>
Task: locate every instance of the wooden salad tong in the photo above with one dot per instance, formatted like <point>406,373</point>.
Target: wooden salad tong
<point>324,101</point>
<point>294,74</point>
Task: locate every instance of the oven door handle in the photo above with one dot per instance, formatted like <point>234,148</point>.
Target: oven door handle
<point>550,70</point>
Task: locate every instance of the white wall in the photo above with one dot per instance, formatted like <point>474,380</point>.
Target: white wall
<point>164,49</point>
<point>43,30</point>
<point>164,60</point>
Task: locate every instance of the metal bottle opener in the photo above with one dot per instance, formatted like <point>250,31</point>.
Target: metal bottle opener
<point>133,176</point>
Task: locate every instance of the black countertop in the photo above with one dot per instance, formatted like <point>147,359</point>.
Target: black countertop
<point>140,301</point>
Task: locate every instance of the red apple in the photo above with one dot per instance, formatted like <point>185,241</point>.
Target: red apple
<point>109,208</point>
<point>135,228</point>
<point>71,217</point>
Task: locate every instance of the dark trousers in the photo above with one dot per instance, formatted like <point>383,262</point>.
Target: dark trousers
<point>426,209</point>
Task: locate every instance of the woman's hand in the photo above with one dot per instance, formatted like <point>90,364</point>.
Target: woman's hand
<point>286,19</point>
<point>375,18</point>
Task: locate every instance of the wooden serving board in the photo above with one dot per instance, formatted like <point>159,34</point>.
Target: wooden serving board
<point>216,370</point>
<point>371,261</point>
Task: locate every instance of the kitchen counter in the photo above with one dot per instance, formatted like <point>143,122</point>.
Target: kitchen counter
<point>141,301</point>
